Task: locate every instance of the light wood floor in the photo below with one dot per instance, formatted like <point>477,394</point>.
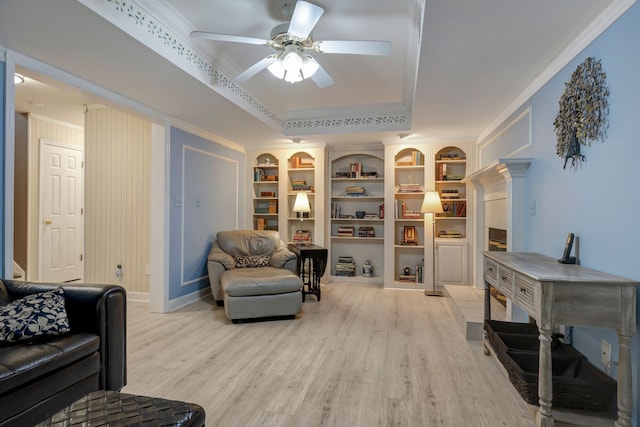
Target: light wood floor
<point>363,356</point>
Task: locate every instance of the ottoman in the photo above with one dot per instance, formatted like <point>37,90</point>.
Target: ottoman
<point>251,293</point>
<point>114,409</point>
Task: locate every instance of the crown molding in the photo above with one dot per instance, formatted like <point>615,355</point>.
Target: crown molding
<point>589,34</point>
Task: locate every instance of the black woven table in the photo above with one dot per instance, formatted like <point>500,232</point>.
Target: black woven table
<point>110,408</point>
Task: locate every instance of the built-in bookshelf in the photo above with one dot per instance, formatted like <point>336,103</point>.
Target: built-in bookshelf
<point>265,192</point>
<point>357,215</point>
<point>300,178</point>
<point>408,221</point>
<point>450,169</point>
<point>451,225</point>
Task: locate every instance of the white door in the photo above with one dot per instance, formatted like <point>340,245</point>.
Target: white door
<point>61,219</point>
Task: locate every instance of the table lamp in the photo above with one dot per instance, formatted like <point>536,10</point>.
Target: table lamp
<point>433,206</point>
<point>300,206</point>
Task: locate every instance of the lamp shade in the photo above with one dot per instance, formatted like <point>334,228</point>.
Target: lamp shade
<point>302,203</point>
<point>431,203</point>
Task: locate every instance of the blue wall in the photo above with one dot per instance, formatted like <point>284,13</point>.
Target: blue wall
<point>599,201</point>
<point>205,198</point>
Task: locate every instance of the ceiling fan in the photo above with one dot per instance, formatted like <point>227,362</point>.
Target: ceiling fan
<point>292,41</point>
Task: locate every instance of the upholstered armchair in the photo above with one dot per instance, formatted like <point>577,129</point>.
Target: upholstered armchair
<point>252,273</point>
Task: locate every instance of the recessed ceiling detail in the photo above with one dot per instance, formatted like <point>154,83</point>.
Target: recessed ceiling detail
<point>174,45</point>
<point>350,124</point>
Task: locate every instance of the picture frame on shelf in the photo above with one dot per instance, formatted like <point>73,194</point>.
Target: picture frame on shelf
<point>409,235</point>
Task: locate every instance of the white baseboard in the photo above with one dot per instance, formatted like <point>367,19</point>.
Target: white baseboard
<point>179,302</point>
<point>138,296</point>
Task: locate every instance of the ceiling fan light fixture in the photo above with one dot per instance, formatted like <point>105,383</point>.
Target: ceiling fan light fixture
<point>292,65</point>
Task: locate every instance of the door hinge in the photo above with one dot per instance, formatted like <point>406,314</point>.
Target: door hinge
<point>81,257</point>
<point>81,211</point>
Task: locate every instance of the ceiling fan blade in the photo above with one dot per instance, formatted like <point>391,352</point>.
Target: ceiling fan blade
<point>254,69</point>
<point>305,17</point>
<point>322,78</point>
<point>227,38</point>
<point>356,47</point>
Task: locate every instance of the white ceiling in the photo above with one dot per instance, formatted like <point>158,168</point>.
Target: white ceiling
<point>452,74</point>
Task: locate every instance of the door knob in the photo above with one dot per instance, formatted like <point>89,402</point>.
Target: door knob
<point>47,222</point>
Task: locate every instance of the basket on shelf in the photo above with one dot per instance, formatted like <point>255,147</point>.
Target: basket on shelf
<point>577,384</point>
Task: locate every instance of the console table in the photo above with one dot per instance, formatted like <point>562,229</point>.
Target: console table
<point>312,261</point>
<point>554,293</point>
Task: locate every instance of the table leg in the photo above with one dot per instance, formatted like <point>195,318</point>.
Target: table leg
<point>625,391</point>
<point>544,417</point>
<point>487,316</point>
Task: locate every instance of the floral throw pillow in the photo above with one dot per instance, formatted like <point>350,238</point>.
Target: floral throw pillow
<point>252,261</point>
<point>33,316</point>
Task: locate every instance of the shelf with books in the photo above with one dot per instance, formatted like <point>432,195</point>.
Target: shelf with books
<point>300,178</point>
<point>265,192</point>
<point>450,169</point>
<point>408,222</point>
<point>356,213</point>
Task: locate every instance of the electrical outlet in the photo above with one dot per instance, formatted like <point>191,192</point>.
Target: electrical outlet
<point>119,272</point>
<point>606,352</point>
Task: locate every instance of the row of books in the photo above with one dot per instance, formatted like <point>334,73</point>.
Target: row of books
<point>366,231</point>
<point>355,191</point>
<point>402,212</point>
<point>451,156</point>
<point>450,234</point>
<point>300,185</point>
<point>449,194</point>
<point>409,188</point>
<point>270,207</point>
<point>302,236</point>
<point>259,175</point>
<point>455,209</point>
<point>345,266</point>
<point>417,159</point>
<point>443,175</point>
<point>413,278</point>
<point>346,231</point>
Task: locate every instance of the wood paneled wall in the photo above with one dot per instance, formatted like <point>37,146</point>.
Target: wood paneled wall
<point>117,198</point>
<point>42,127</point>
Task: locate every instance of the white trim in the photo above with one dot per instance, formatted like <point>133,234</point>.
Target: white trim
<point>138,296</point>
<point>597,27</point>
<point>179,124</point>
<point>9,161</point>
<point>483,144</point>
<point>184,300</point>
<point>185,147</point>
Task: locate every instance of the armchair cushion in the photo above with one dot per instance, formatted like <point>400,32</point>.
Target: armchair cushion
<point>252,261</point>
<point>34,315</point>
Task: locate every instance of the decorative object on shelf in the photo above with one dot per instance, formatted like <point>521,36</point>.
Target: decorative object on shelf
<point>432,205</point>
<point>410,237</point>
<point>367,269</point>
<point>406,270</point>
<point>583,115</point>
<point>360,214</point>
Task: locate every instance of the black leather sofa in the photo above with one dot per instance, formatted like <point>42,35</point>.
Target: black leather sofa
<point>38,378</point>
